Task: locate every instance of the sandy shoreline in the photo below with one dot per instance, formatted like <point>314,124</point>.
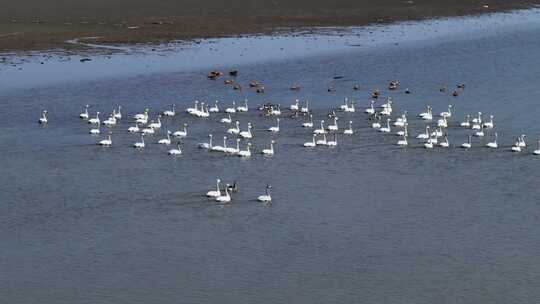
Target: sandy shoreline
<point>41,25</point>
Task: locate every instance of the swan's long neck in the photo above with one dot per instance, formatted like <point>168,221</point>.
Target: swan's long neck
<point>224,142</point>
<point>217,186</point>
<point>272,147</point>
<point>210,142</point>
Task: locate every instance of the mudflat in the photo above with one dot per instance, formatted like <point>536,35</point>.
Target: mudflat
<point>47,24</point>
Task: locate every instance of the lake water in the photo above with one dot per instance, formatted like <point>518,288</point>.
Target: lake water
<point>365,222</point>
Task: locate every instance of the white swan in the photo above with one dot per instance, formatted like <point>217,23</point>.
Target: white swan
<point>204,113</point>
<point>224,198</point>
<point>332,143</point>
<point>537,151</point>
<point>166,141</point>
<point>350,109</point>
<point>310,144</point>
<point>247,134</point>
<point>106,142</point>
<point>493,144</point>
<point>134,129</point>
<point>309,123</point>
<point>321,130</point>
<point>226,120</point>
<point>275,111</point>
<point>95,120</point>
<point>181,133</point>
<point>333,127</point>
<point>349,131</point>
<point>84,115</point>
<point>156,125</point>
<point>196,112</point>
<point>442,122</point>
<point>428,145</point>
<point>43,119</point>
<point>275,129</point>
<point>404,132</point>
<point>424,135</point>
<point>95,130</point>
<point>376,124</point>
<point>426,113</point>
<point>489,124</point>
<point>521,141</point>
<point>371,109</point>
<point>142,119</point>
<point>478,120</point>
<point>140,145</point>
<point>401,121</point>
<point>243,108</point>
<point>445,143</point>
<point>447,114</point>
<point>345,104</point>
<point>232,150</point>
<point>387,128</point>
<point>231,110</point>
<point>171,112</point>
<point>148,131</point>
<point>516,147</point>
<point>270,151</point>
<point>467,122</point>
<point>321,142</point>
<point>118,115</point>
<point>215,193</point>
<point>111,121</point>
<point>214,108</point>
<point>176,151</point>
<point>295,106</point>
<point>235,130</point>
<point>207,145</point>
<point>387,111</point>
<point>220,148</point>
<point>403,141</point>
<point>305,109</point>
<point>481,132</point>
<point>438,132</point>
<point>246,152</point>
<point>266,198</point>
<point>195,108</point>
<point>141,115</point>
<point>467,145</point>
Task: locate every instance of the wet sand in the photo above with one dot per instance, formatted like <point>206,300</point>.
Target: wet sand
<point>47,24</point>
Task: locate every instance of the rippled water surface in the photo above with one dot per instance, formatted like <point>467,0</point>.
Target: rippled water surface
<point>365,222</point>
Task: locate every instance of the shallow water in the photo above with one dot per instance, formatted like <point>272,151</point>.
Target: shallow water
<point>364,222</point>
